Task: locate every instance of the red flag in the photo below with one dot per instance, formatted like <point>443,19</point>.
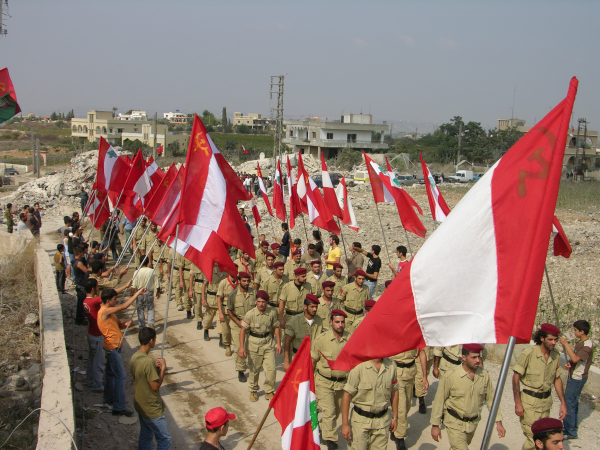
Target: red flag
<point>160,150</point>
<point>318,212</point>
<point>98,205</point>
<point>9,107</point>
<point>398,189</point>
<point>278,195</point>
<point>138,184</point>
<point>329,191</point>
<point>301,185</point>
<point>562,246</point>
<point>263,190</point>
<point>154,172</point>
<point>170,199</point>
<point>159,193</point>
<point>437,204</point>
<point>348,216</point>
<point>255,212</point>
<point>295,405</point>
<point>293,200</point>
<point>244,150</point>
<point>112,169</point>
<point>490,291</point>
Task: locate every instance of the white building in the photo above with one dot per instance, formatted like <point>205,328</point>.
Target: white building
<point>176,117</point>
<point>135,115</point>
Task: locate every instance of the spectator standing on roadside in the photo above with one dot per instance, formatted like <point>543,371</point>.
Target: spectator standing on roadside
<point>83,199</point>
<point>373,267</point>
<point>22,225</point>
<point>356,261</point>
<point>37,212</point>
<point>127,228</point>
<point>148,376</point>
<point>66,226</point>
<point>8,216</point>
<point>59,268</point>
<point>334,254</point>
<point>145,302</point>
<point>217,426</point>
<point>401,253</point>
<point>318,242</point>
<point>80,271</point>
<point>95,364</point>
<point>33,223</point>
<point>284,242</point>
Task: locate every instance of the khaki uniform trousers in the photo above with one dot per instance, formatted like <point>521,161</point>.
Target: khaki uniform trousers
<point>405,390</point>
<point>368,434</point>
<point>226,329</point>
<point>530,415</point>
<point>261,353</point>
<point>329,402</point>
<point>419,377</point>
<point>459,440</point>
<point>181,295</point>
<point>240,363</point>
<point>209,314</point>
<point>198,306</point>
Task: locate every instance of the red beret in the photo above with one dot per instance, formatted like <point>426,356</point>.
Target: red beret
<point>337,266</point>
<point>296,252</point>
<point>327,284</point>
<point>360,272</point>
<point>338,312</point>
<point>315,261</point>
<point>550,329</point>
<point>269,254</point>
<point>370,303</point>
<point>263,294</point>
<point>264,243</point>
<point>473,348</point>
<point>275,245</point>
<point>546,424</point>
<point>244,275</point>
<point>300,271</point>
<point>312,298</point>
<point>279,264</point>
<point>387,283</point>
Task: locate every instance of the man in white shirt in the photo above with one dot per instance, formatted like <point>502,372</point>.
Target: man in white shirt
<point>147,278</point>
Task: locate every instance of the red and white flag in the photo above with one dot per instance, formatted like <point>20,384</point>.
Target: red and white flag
<point>98,205</point>
<point>295,404</point>
<point>167,193</point>
<point>263,189</point>
<point>439,209</point>
<point>329,191</point>
<point>561,243</point>
<point>255,212</point>
<point>278,195</point>
<point>318,212</point>
<point>348,216</point>
<point>301,185</point>
<point>160,150</point>
<point>385,189</point>
<point>154,172</point>
<point>293,200</point>
<point>138,183</point>
<point>244,150</point>
<point>112,169</point>
<point>398,189</point>
<point>491,290</point>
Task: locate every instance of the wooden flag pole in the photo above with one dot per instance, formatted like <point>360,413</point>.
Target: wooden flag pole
<point>262,422</point>
<point>383,234</point>
<point>162,350</point>
<point>408,242</point>
<point>342,235</point>
<point>304,224</point>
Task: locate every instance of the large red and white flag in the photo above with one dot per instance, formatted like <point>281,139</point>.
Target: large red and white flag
<point>329,191</point>
<point>167,192</point>
<point>386,190</point>
<point>295,404</point>
<point>561,243</point>
<point>98,204</point>
<point>278,195</point>
<point>138,184</point>
<point>318,212</point>
<point>491,290</point>
<point>348,216</point>
<point>112,169</point>
<point>301,185</point>
<point>263,189</point>
<point>293,200</point>
<point>209,221</point>
<point>255,212</point>
<point>439,209</point>
<point>154,172</point>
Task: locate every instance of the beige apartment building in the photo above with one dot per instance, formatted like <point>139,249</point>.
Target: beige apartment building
<point>252,120</point>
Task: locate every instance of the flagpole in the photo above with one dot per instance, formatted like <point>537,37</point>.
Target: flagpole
<point>128,241</point>
<point>262,422</point>
<point>136,248</point>
<point>383,234</point>
<point>114,228</point>
<point>554,306</point>
<point>304,224</point>
<point>342,235</point>
<point>162,350</point>
<point>498,394</point>
<point>408,242</point>
<point>87,206</point>
<point>96,214</point>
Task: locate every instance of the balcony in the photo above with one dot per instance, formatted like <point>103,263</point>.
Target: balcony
<point>330,143</point>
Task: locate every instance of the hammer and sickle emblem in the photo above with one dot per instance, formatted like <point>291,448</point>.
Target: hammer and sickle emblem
<point>295,382</point>
<point>2,87</point>
<point>166,183</point>
<point>201,144</point>
<point>536,156</point>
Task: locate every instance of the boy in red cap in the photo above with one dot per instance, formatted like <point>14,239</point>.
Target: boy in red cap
<point>548,434</point>
<point>461,413</point>
<point>538,368</point>
<point>217,426</point>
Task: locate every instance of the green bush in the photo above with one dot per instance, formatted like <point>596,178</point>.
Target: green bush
<point>348,158</point>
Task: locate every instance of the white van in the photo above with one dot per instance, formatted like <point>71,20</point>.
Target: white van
<point>462,176</point>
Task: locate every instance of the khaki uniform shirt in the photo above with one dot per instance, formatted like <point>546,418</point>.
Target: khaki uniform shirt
<point>156,252</point>
<point>273,286</point>
<point>225,288</point>
<point>138,235</point>
<point>354,298</point>
<point>307,258</point>
<point>147,242</point>
<point>260,323</point>
<point>212,287</point>
<point>244,266</point>
<point>406,373</point>
<point>290,266</point>
<point>326,345</point>
<point>260,260</point>
<point>371,391</point>
<point>458,392</point>
<point>315,282</point>
<point>185,264</point>
<point>279,258</point>
<point>324,311</point>
<point>105,283</point>
<point>262,276</point>
<point>239,304</point>
<point>537,374</point>
<point>293,298</point>
<point>454,352</point>
<point>298,328</point>
<point>358,321</point>
<point>339,284</point>
<point>198,278</point>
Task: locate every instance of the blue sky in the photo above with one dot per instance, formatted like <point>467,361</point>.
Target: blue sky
<point>405,61</point>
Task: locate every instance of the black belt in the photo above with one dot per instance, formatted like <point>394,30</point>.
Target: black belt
<point>260,335</point>
<point>355,312</point>
<point>274,305</point>
<point>406,365</point>
<point>211,293</point>
<point>185,270</point>
<point>541,395</point>
<point>198,281</point>
<point>332,378</point>
<point>457,416</point>
<point>370,415</point>
<point>450,360</point>
<point>291,313</point>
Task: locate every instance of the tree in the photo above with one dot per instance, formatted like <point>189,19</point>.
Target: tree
<point>53,116</point>
<point>224,117</point>
<point>114,110</point>
<point>243,129</point>
<point>208,118</point>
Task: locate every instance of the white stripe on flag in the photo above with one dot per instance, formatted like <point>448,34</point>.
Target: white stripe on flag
<point>305,396</point>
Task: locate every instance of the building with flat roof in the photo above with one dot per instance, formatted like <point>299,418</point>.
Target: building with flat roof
<point>314,137</point>
<point>252,120</point>
<point>133,115</point>
<point>176,117</point>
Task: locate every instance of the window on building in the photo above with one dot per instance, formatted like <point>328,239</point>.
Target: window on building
<point>291,133</point>
<point>329,135</point>
<point>314,134</point>
<point>351,138</point>
<point>119,130</point>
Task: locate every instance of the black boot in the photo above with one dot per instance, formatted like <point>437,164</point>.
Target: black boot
<point>331,445</point>
<point>189,314</point>
<point>221,341</point>
<point>400,444</point>
<point>422,407</point>
<point>206,338</point>
<point>199,326</point>
<point>241,376</point>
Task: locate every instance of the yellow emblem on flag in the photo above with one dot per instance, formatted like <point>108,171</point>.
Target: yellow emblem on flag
<point>201,143</point>
<point>2,87</point>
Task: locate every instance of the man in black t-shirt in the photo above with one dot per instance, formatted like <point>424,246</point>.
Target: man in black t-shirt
<point>373,267</point>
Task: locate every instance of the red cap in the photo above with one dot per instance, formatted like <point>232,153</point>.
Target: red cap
<point>263,294</point>
<point>370,303</point>
<point>264,243</point>
<point>296,252</point>
<point>360,272</point>
<point>315,261</point>
<point>279,264</point>
<point>338,312</point>
<point>387,283</point>
<point>550,329</point>
<point>217,417</point>
<point>300,271</point>
<point>546,424</point>
<point>312,298</point>
<point>269,254</point>
<point>243,275</point>
<point>473,348</point>
<point>327,284</point>
<point>275,245</point>
<point>337,266</point>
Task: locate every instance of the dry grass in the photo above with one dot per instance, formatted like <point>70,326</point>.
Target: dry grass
<point>579,196</point>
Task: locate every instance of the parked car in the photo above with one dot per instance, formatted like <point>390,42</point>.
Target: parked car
<point>406,180</point>
<point>477,176</point>
<point>462,176</point>
<point>361,177</point>
<point>11,171</point>
<point>335,180</point>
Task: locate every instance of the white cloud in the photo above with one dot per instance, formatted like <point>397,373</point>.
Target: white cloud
<point>448,43</point>
<point>360,43</point>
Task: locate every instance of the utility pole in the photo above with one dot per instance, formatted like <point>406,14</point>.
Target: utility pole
<point>155,136</point>
<point>277,117</point>
<point>579,162</point>
<point>460,132</point>
<point>37,156</point>
<point>33,149</point>
<point>3,12</point>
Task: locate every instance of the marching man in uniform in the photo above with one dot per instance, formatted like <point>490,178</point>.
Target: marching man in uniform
<point>301,326</point>
<point>327,303</point>
<point>446,359</point>
<point>241,300</point>
<point>292,297</point>
<point>353,297</point>
<point>210,303</point>
<point>225,288</point>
